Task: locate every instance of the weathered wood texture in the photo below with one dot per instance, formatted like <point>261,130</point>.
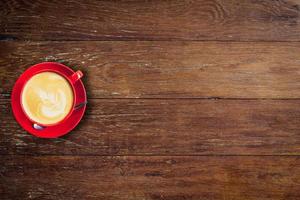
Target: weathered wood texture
<point>165,69</point>
<point>168,127</point>
<point>151,20</point>
<point>155,177</point>
<point>182,117</point>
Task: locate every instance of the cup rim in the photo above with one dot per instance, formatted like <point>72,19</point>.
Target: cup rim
<point>73,91</point>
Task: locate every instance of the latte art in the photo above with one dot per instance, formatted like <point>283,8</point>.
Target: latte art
<point>47,98</point>
<point>52,104</point>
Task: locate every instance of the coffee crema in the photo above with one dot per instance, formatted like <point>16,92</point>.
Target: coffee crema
<point>47,98</point>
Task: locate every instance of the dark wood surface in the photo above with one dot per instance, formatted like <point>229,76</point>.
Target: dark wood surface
<point>246,20</point>
<point>152,177</point>
<point>168,127</point>
<point>187,99</point>
<point>162,69</point>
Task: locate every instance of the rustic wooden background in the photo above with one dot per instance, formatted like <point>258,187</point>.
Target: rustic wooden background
<point>187,99</point>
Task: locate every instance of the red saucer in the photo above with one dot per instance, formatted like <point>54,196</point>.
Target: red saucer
<point>61,128</point>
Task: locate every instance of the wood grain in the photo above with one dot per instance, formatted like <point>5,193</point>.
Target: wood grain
<point>168,127</point>
<point>155,177</point>
<point>238,20</point>
<point>165,69</point>
<point>187,99</point>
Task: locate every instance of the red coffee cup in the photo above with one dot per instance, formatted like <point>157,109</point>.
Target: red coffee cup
<point>70,120</point>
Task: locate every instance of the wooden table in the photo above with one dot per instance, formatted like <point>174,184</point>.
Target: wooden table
<point>187,99</point>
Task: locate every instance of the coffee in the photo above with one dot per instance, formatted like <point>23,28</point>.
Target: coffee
<point>47,98</point>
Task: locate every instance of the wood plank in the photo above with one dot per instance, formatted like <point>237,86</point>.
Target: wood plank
<point>155,177</point>
<point>168,127</point>
<point>165,69</point>
<point>238,20</point>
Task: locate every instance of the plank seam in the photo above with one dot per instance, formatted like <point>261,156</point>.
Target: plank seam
<point>183,98</point>
<point>152,40</point>
<point>156,155</point>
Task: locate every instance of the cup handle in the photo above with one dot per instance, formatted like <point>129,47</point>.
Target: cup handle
<point>76,76</point>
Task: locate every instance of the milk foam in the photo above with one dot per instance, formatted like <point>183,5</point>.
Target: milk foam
<point>47,98</point>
